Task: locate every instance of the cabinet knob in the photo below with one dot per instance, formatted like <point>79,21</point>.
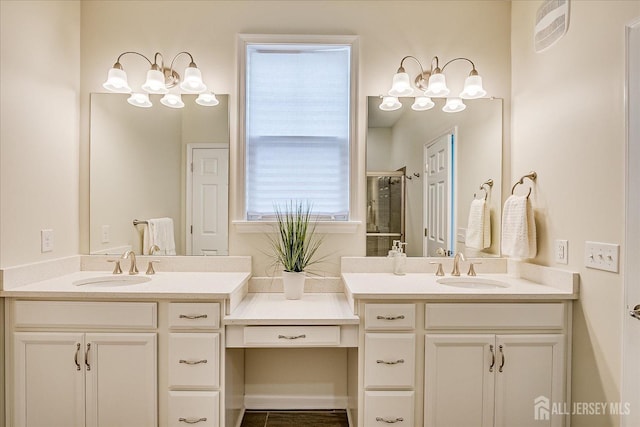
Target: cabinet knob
<point>391,362</point>
<point>193,316</point>
<point>291,337</point>
<point>75,358</point>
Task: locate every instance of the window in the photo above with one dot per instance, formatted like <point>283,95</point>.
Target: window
<point>297,127</point>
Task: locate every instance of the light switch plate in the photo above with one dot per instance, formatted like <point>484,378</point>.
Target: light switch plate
<point>602,256</point>
<point>105,234</point>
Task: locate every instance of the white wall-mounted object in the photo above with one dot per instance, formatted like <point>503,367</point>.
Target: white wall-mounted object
<point>602,256</point>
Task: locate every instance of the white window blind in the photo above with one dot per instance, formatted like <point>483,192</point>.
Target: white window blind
<point>297,128</point>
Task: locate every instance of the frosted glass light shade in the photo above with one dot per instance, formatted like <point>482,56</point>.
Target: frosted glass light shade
<point>473,88</point>
<point>437,86</point>
<point>207,99</point>
<point>422,103</point>
<point>192,82</point>
<point>139,100</point>
<point>172,100</point>
<point>401,85</point>
<point>155,82</point>
<point>390,103</point>
<point>454,105</point>
<point>117,81</point>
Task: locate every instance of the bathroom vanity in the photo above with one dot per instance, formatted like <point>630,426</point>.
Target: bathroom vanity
<point>86,348</point>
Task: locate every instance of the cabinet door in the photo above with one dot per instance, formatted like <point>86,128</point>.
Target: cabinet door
<point>529,379</point>
<point>459,380</point>
<point>49,380</point>
<point>121,377</point>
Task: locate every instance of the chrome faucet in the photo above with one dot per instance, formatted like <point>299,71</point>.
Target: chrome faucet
<point>133,268</point>
<point>456,263</point>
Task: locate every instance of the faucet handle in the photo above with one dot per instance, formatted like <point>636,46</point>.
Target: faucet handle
<point>439,271</point>
<point>472,271</point>
<point>150,269</point>
<point>116,268</point>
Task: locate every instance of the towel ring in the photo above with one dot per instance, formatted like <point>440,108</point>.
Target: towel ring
<point>488,183</point>
<point>531,175</point>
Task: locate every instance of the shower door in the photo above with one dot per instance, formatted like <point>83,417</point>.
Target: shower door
<point>385,211</point>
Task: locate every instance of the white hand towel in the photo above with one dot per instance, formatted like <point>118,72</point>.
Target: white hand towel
<point>146,239</point>
<point>478,234</point>
<point>518,228</point>
<point>161,234</point>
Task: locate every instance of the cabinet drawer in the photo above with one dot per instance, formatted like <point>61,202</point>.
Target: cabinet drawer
<point>389,360</point>
<point>389,316</point>
<point>291,336</point>
<point>494,316</point>
<point>200,408</point>
<point>120,315</point>
<point>194,315</point>
<point>388,407</point>
<point>194,360</point>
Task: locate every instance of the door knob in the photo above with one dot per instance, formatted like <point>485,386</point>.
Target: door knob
<point>635,312</point>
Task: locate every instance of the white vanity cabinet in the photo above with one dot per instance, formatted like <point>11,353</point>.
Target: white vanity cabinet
<point>75,364</point>
<point>389,364</point>
<point>194,358</point>
<point>498,378</point>
<point>444,363</point>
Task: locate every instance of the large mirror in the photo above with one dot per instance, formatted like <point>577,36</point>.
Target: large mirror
<point>424,170</point>
<point>156,171</point>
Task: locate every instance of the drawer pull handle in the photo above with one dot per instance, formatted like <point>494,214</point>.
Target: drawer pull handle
<point>75,358</point>
<point>86,357</point>
<point>390,362</point>
<point>193,316</point>
<point>291,337</point>
<point>389,421</point>
<point>502,355</point>
<point>192,362</point>
<point>390,317</point>
<point>493,358</point>
<point>192,420</point>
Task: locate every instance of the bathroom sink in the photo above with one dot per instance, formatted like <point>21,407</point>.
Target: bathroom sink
<point>109,281</point>
<point>472,283</point>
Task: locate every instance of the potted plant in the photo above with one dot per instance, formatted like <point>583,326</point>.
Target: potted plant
<point>295,246</point>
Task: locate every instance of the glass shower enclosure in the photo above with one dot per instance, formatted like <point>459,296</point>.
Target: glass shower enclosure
<point>385,210</point>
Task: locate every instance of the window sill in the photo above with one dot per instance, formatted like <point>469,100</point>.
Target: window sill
<point>329,227</point>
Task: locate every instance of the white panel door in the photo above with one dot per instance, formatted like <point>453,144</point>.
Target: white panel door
<point>529,380</point>
<point>437,200</point>
<point>49,380</point>
<point>459,380</point>
<point>121,375</point>
<point>210,200</point>
<point>631,315</point>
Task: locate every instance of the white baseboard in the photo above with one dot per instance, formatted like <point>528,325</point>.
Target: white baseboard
<point>284,402</point>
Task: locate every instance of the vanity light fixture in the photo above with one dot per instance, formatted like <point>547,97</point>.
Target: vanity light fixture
<point>160,80</point>
<point>432,84</point>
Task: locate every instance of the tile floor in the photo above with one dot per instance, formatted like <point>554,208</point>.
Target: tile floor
<point>331,418</point>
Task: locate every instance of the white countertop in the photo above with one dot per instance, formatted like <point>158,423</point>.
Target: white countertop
<point>425,286</point>
<point>183,285</point>
<point>274,309</point>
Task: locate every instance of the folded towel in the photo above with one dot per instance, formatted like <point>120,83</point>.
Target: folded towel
<point>159,232</point>
<point>478,234</point>
<point>518,228</point>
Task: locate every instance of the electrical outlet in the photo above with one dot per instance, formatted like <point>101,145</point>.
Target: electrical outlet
<point>602,256</point>
<point>46,240</point>
<point>562,251</point>
<point>105,234</point>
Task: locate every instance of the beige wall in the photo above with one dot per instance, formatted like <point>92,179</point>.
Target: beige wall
<point>208,30</point>
<point>39,113</point>
<point>568,125</point>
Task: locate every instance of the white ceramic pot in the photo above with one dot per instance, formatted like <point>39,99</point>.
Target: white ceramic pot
<point>293,284</point>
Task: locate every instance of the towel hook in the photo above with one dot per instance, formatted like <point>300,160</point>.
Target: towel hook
<point>488,183</point>
<point>531,175</point>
